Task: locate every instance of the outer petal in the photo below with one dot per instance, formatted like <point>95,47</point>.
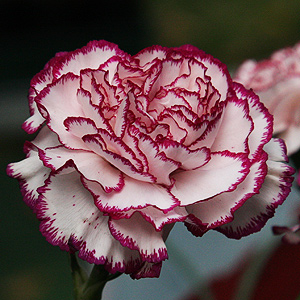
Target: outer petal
<point>255,212</point>
<point>70,220</point>
<point>137,234</point>
<point>263,121</point>
<point>37,84</point>
<point>31,174</point>
<point>35,121</point>
<point>276,150</point>
<point>222,173</point>
<point>46,139</point>
<point>219,209</point>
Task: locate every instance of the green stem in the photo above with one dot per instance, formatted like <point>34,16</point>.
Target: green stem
<point>89,287</point>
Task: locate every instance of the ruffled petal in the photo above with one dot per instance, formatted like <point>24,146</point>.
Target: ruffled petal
<point>219,210</point>
<point>276,150</point>
<point>134,195</point>
<point>63,89</point>
<point>37,84</point>
<point>31,171</point>
<point>31,174</point>
<point>263,121</point>
<point>219,75</point>
<point>70,220</point>
<point>35,121</point>
<point>80,126</point>
<point>155,216</point>
<point>90,165</point>
<point>137,234</point>
<point>156,160</point>
<point>222,173</point>
<point>235,128</point>
<point>92,56</point>
<point>255,212</point>
<point>98,146</point>
<point>92,111</point>
<point>188,159</point>
<point>171,71</point>
<point>148,56</point>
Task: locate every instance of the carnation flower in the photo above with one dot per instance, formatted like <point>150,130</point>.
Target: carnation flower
<point>277,82</point>
<point>129,145</point>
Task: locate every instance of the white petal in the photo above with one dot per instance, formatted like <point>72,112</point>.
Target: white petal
<point>137,234</point>
<point>95,144</point>
<point>188,159</point>
<point>219,209</point>
<point>256,211</point>
<point>80,126</point>
<point>46,138</point>
<point>94,54</point>
<point>150,55</point>
<point>58,102</point>
<point>156,217</point>
<point>35,121</point>
<point>92,112</point>
<point>31,174</point>
<point>235,128</point>
<point>70,218</point>
<point>158,164</point>
<point>222,173</point>
<point>276,150</point>
<point>218,75</point>
<point>135,194</point>
<point>90,165</point>
<point>262,131</point>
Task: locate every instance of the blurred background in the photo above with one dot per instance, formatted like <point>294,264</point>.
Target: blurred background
<point>32,32</point>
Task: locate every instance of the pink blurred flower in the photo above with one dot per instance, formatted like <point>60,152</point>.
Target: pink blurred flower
<point>291,235</point>
<point>130,145</point>
<point>274,277</point>
<point>277,82</point>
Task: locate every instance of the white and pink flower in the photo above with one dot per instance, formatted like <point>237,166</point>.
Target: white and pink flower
<point>130,145</point>
<point>277,82</point>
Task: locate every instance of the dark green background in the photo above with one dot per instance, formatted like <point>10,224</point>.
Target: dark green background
<point>33,31</point>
